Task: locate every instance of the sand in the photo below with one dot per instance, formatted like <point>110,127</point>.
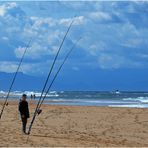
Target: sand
<point>76,126</point>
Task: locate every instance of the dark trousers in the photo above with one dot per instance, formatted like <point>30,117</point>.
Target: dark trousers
<point>24,123</point>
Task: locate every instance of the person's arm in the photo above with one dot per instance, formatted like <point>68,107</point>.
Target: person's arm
<point>21,110</point>
<point>20,107</point>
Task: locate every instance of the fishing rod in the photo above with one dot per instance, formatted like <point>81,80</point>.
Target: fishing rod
<point>65,59</point>
<point>13,80</point>
<point>34,116</point>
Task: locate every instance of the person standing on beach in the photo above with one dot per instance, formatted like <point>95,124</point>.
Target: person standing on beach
<point>31,96</point>
<point>34,96</point>
<point>24,112</point>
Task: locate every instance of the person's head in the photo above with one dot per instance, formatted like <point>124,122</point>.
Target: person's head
<point>24,97</point>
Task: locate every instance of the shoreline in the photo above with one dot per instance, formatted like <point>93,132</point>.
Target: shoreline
<point>33,102</point>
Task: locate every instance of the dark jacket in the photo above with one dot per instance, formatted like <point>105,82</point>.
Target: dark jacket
<point>23,108</point>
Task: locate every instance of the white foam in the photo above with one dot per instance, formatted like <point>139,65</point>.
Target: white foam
<point>2,92</point>
<point>29,93</point>
<point>131,106</point>
<point>140,99</point>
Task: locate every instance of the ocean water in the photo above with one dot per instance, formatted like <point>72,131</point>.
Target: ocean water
<point>89,98</point>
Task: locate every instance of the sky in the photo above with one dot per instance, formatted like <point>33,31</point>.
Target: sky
<point>114,40</point>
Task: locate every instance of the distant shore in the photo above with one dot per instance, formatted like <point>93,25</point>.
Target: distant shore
<point>76,126</point>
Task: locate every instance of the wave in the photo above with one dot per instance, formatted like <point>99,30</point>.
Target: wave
<point>140,99</point>
<point>28,93</point>
<point>131,106</point>
<point>87,101</point>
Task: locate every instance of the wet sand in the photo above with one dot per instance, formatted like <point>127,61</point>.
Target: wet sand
<point>76,126</point>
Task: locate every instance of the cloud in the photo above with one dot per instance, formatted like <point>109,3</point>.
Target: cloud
<point>100,16</point>
<point>2,11</point>
<point>36,51</point>
<point>5,38</point>
<point>39,21</point>
<point>112,32</point>
<point>79,20</point>
<point>27,68</point>
<point>110,61</point>
<point>9,67</point>
<point>6,6</point>
<point>77,5</point>
<point>48,22</point>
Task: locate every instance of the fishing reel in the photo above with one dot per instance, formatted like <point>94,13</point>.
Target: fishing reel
<point>7,104</point>
<point>39,111</point>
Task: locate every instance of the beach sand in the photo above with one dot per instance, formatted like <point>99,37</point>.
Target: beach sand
<point>76,126</point>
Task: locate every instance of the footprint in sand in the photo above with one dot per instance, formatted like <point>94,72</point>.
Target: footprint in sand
<point>136,118</point>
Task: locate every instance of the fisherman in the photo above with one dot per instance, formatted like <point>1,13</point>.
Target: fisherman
<point>34,96</point>
<point>24,112</point>
<point>31,96</point>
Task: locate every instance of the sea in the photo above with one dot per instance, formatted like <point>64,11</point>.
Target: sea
<point>88,98</point>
